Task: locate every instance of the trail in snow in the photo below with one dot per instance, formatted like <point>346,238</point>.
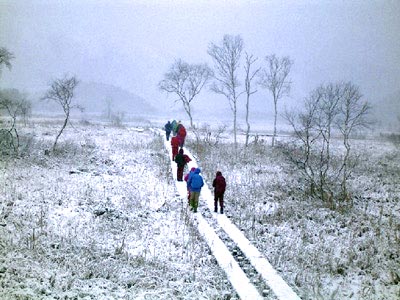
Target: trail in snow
<point>235,274</point>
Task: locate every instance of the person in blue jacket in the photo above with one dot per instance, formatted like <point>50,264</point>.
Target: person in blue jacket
<point>195,182</point>
<point>186,178</point>
<point>168,129</point>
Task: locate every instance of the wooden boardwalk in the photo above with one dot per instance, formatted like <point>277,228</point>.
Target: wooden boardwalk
<point>208,222</point>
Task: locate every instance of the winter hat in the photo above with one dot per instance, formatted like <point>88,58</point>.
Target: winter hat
<point>192,169</point>
<point>219,173</point>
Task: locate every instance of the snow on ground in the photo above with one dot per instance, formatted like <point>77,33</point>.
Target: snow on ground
<point>323,254</point>
<point>102,219</point>
<point>225,259</point>
<point>99,219</point>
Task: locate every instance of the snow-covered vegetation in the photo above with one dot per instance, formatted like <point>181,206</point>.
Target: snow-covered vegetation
<point>100,218</point>
<point>321,253</point>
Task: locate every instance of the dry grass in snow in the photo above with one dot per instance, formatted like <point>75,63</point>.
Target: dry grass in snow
<point>99,219</point>
<point>322,254</point>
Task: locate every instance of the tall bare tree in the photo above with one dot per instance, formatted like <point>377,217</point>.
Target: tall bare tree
<point>274,77</point>
<point>250,60</point>
<point>5,58</point>
<point>353,111</point>
<point>226,59</point>
<point>186,81</point>
<point>62,92</point>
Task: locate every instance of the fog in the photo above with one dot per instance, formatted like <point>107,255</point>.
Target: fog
<point>131,44</point>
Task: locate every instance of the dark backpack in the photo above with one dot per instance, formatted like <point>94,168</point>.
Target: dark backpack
<point>220,185</point>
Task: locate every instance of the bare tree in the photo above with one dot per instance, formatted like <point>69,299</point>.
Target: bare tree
<point>301,153</point>
<point>274,77</point>
<point>327,112</point>
<point>226,59</point>
<point>26,110</point>
<point>5,58</point>
<point>353,112</point>
<point>186,81</point>
<point>250,60</point>
<point>14,104</point>
<point>62,92</point>
<point>330,108</point>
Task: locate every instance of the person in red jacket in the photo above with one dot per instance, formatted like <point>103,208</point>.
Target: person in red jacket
<point>219,185</point>
<point>181,134</point>
<point>174,146</point>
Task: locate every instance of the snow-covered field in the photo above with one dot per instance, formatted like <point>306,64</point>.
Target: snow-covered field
<point>99,220</point>
<point>322,254</point>
<point>102,219</point>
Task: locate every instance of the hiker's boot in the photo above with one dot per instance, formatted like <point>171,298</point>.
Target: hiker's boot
<point>222,210</point>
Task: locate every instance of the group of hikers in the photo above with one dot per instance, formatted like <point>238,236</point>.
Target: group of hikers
<point>178,132</point>
<point>194,181</point>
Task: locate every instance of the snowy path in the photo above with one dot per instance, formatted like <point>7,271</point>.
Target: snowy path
<point>235,274</point>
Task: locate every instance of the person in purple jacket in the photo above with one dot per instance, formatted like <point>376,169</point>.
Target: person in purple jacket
<point>219,185</point>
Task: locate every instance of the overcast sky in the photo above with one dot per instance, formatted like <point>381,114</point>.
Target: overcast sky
<point>131,44</point>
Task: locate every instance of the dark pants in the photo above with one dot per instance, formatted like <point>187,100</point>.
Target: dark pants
<point>181,141</point>
<point>179,173</point>
<point>174,152</point>
<point>167,135</point>
<point>219,197</point>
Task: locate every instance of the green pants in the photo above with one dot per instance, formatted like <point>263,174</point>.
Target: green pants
<point>194,200</point>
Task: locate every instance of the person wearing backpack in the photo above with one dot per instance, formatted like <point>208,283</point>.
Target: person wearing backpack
<point>195,182</point>
<point>181,135</point>
<point>219,185</point>
<point>181,160</point>
<point>174,124</point>
<point>174,146</point>
<point>175,127</point>
<point>186,178</point>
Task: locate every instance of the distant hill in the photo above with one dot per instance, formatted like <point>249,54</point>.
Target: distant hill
<point>95,96</point>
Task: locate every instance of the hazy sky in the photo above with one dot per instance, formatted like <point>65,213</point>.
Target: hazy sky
<point>131,44</point>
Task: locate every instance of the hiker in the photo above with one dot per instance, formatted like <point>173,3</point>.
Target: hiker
<point>186,178</point>
<point>174,146</point>
<point>181,160</point>
<point>181,134</point>
<point>168,129</point>
<point>219,185</point>
<point>175,125</point>
<point>196,183</point>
